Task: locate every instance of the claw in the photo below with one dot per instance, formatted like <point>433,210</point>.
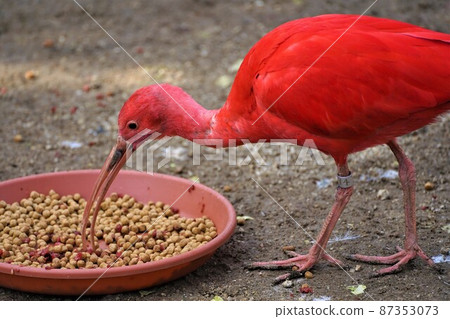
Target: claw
<point>388,271</point>
<point>300,262</point>
<point>332,260</point>
<point>289,275</point>
<point>397,260</point>
<point>388,260</point>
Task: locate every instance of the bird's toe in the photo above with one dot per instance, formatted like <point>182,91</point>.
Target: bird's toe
<point>287,276</point>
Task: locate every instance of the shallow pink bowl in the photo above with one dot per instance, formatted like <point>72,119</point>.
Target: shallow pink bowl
<point>193,201</point>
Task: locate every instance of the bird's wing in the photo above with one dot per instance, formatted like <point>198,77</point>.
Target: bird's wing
<point>378,72</point>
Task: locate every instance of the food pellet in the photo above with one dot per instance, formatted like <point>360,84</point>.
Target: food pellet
<point>44,231</point>
<point>30,75</point>
<point>18,138</point>
<point>288,248</point>
<point>429,186</point>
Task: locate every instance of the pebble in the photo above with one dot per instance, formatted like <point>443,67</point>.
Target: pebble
<point>309,275</point>
<point>224,81</point>
<point>383,194</point>
<point>178,169</point>
<point>288,248</point>
<point>18,138</point>
<point>358,268</point>
<point>429,186</point>
<point>287,284</point>
<point>240,220</point>
<point>227,188</point>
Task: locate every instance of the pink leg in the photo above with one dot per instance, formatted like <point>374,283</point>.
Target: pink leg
<point>301,263</point>
<point>407,177</point>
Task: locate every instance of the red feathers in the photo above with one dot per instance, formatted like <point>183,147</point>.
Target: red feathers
<point>380,79</point>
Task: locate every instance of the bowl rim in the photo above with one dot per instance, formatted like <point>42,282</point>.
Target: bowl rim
<point>111,272</point>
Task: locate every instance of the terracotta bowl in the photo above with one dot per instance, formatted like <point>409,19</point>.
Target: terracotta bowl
<point>196,201</point>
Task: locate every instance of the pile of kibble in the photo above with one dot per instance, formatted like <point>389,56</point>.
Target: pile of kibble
<point>44,231</point>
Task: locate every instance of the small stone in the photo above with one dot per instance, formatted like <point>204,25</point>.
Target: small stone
<point>287,284</point>
<point>177,169</point>
<point>224,81</point>
<point>309,275</point>
<point>259,3</point>
<point>240,220</point>
<point>445,250</point>
<point>383,194</point>
<point>30,75</point>
<point>18,138</point>
<point>358,267</point>
<point>288,248</point>
<point>227,188</point>
<point>429,186</point>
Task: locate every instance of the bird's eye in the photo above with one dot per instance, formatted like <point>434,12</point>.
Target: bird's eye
<point>132,125</point>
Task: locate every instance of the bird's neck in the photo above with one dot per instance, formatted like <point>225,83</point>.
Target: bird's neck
<point>185,117</point>
<point>188,119</point>
<point>192,121</point>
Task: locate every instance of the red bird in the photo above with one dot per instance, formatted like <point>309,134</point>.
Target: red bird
<point>346,83</point>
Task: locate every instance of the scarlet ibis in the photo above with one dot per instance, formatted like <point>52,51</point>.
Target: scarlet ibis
<point>315,78</point>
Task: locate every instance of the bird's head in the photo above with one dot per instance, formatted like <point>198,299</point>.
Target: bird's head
<point>141,117</point>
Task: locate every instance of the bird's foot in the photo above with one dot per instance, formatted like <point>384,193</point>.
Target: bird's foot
<point>397,260</point>
<point>297,263</point>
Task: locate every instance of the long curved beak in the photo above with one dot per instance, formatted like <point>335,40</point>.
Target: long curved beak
<point>115,161</point>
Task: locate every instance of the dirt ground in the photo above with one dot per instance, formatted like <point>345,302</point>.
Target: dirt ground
<point>196,44</point>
